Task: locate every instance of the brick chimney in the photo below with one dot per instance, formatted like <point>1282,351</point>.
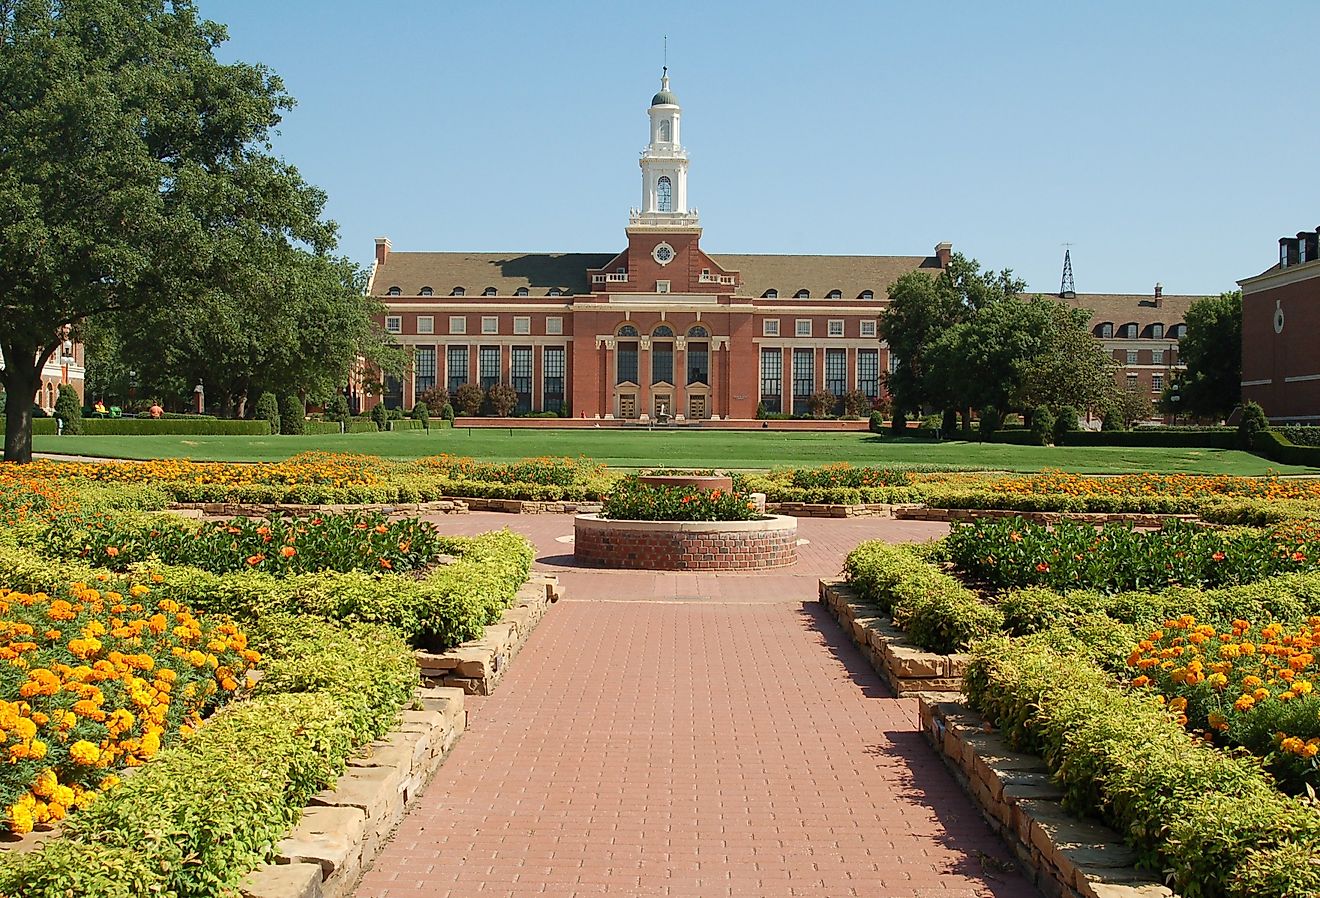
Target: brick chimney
<point>383,247</point>
<point>944,252</point>
<point>1159,295</point>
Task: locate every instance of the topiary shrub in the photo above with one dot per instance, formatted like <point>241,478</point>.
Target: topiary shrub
<point>503,399</point>
<point>1065,422</point>
<point>421,413</point>
<point>468,399</point>
<point>380,415</point>
<point>1253,422</point>
<point>68,408</point>
<point>877,423</point>
<point>1042,426</point>
<point>268,410</point>
<point>293,414</point>
<point>447,412</point>
<point>338,411</point>
<point>760,411</point>
<point>989,420</point>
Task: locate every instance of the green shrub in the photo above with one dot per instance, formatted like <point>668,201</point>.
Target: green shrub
<point>1299,435</point>
<point>380,416</point>
<point>190,426</point>
<point>1042,426</point>
<point>632,500</point>
<point>68,409</point>
<point>1253,422</point>
<point>447,413</point>
<point>1065,422</point>
<point>1276,447</point>
<point>989,421</point>
<point>268,409</point>
<point>938,612</point>
<point>421,414</point>
<point>898,424</point>
<point>1212,820</point>
<point>293,415</point>
<point>876,423</point>
<point>320,427</point>
<point>337,410</point>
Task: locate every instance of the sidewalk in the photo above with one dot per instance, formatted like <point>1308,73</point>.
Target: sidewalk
<point>693,735</point>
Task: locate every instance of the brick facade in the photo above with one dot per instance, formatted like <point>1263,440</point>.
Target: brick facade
<point>685,546</point>
<point>1280,320</point>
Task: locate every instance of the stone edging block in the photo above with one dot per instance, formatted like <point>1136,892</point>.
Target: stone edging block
<point>1063,854</point>
<point>477,666</point>
<point>906,668</point>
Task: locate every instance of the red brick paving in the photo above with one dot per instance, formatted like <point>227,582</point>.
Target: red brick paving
<point>692,735</point>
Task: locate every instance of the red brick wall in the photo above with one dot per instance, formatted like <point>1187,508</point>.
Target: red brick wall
<point>677,550</point>
<point>1292,353</point>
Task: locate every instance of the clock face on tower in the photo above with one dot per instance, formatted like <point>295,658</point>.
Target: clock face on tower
<point>663,253</point>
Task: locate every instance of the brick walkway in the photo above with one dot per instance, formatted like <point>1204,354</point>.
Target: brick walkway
<point>693,735</point>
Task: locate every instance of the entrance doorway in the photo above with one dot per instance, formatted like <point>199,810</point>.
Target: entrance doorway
<point>697,406</point>
<point>664,406</point>
<point>628,405</point>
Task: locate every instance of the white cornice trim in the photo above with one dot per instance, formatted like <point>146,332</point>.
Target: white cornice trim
<point>1282,277</point>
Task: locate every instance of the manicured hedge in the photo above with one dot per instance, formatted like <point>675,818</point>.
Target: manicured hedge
<point>419,488</point>
<point>320,427</point>
<point>1299,435</point>
<point>1173,439</point>
<point>1213,821</point>
<point>937,612</point>
<point>200,816</point>
<point>1275,446</point>
<point>161,426</point>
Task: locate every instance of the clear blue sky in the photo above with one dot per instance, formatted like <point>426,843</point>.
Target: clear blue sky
<point>1170,141</point>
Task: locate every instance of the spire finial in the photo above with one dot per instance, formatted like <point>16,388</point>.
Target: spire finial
<point>664,71</point>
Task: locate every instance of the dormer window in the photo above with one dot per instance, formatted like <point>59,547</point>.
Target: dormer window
<point>489,291</point>
<point>1157,331</point>
<point>834,294</point>
<point>802,294</point>
<point>555,291</point>
<point>426,291</point>
<point>521,291</point>
<point>867,294</point>
<point>771,294</point>
<point>458,291</point>
<point>1130,331</point>
<point>394,291</point>
<point>1106,331</point>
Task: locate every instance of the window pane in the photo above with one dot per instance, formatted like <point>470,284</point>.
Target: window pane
<point>552,378</point>
<point>868,372</point>
<point>836,371</point>
<point>488,366</point>
<point>772,379</point>
<point>662,362</point>
<point>458,367</point>
<point>698,363</point>
<point>804,378</point>
<point>423,369</point>
<point>520,369</point>
<point>627,362</point>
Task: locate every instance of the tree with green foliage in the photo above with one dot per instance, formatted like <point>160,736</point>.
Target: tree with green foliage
<point>468,399</point>
<point>1066,420</point>
<point>1253,422</point>
<point>421,413</point>
<point>502,399</point>
<point>135,169</point>
<point>68,409</point>
<point>338,411</point>
<point>380,416</point>
<point>989,421</point>
<point>293,416</point>
<point>1124,408</point>
<point>1042,425</point>
<point>268,409</point>
<point>1211,349</point>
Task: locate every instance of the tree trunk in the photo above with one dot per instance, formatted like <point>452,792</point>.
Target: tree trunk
<point>21,382</point>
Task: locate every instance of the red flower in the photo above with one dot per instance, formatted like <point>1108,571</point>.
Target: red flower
<point>1299,556</point>
<point>288,551</point>
<point>255,560</point>
<point>1042,568</point>
<point>1218,556</point>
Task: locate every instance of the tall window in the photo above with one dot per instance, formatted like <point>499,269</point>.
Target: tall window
<point>804,378</point>
<point>520,370</point>
<point>552,378</point>
<point>664,131</point>
<point>772,379</point>
<point>868,372</point>
<point>1157,331</point>
<point>627,362</point>
<point>1157,356</point>
<point>393,397</point>
<point>457,367</point>
<point>698,363</point>
<point>488,366</point>
<point>662,362</point>
<point>423,369</point>
<point>836,371</point>
<point>664,192</point>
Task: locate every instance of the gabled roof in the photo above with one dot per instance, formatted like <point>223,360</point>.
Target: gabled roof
<point>850,275</point>
<point>506,272</point>
<point>1125,308</point>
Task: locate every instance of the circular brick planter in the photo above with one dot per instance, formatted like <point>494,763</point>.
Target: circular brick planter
<point>703,482</point>
<point>685,545</point>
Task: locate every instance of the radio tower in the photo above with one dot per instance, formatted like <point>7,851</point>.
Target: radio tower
<point>1066,289</point>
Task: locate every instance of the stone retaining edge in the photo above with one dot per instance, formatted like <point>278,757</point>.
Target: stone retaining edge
<point>1063,855</point>
<point>477,666</point>
<point>948,515</point>
<point>343,828</point>
<point>905,667</point>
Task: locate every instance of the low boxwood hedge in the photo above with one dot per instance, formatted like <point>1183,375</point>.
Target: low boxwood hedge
<point>1277,447</point>
<point>1213,822</point>
<point>1172,439</point>
<point>937,612</point>
<point>161,426</point>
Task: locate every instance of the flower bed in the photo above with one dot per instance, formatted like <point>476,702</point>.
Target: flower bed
<point>634,500</point>
<point>97,680</point>
<point>1012,552</point>
<point>700,545</point>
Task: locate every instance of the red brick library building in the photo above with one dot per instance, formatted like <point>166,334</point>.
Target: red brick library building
<point>664,325</point>
<point>1280,321</point>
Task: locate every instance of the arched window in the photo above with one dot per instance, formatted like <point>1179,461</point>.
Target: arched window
<point>627,331</point>
<point>663,330</point>
<point>489,291</point>
<point>664,131</point>
<point>834,294</point>
<point>1106,331</point>
<point>1157,331</point>
<point>426,291</point>
<point>802,294</point>
<point>698,331</point>
<point>458,291</point>
<point>394,291</point>
<point>867,294</point>
<point>521,291</point>
<point>664,192</point>
<point>772,294</point>
<point>1130,330</point>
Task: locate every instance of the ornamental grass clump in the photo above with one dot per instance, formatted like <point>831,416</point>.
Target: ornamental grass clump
<point>632,500</point>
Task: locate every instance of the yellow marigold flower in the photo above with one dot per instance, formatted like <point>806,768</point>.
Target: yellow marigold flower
<point>45,783</point>
<point>138,591</point>
<point>1245,703</point>
<point>20,819</point>
<point>84,752</point>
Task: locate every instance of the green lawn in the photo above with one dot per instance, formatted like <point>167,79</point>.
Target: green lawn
<point>686,448</point>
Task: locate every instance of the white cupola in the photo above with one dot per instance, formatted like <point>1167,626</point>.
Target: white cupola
<point>664,165</point>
